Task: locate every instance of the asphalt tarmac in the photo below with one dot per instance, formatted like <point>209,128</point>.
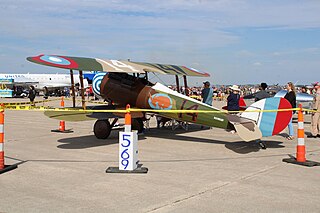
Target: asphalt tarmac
<point>208,170</point>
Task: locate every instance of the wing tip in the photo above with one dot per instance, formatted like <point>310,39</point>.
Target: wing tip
<point>197,72</point>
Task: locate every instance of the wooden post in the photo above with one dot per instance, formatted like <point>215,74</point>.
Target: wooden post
<point>82,90</point>
<point>185,86</point>
<point>177,83</point>
<point>72,89</point>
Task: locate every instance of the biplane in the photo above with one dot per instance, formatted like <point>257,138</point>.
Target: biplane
<point>126,82</point>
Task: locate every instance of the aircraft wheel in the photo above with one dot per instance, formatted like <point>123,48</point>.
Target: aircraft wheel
<point>262,145</point>
<point>102,129</point>
<point>137,124</point>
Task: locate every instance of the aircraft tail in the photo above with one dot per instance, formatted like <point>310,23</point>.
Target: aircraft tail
<point>254,125</point>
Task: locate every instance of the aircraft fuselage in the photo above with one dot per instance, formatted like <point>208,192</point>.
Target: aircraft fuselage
<point>125,89</point>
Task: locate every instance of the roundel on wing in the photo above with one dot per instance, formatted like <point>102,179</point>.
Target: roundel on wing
<point>57,61</point>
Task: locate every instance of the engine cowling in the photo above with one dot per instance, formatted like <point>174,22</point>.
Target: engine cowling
<point>125,89</point>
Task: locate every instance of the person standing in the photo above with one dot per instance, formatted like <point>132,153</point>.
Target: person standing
<point>291,97</point>
<point>233,103</point>
<point>304,89</point>
<point>32,95</point>
<point>315,117</point>
<point>262,93</point>
<point>45,92</point>
<point>207,93</point>
<point>233,99</point>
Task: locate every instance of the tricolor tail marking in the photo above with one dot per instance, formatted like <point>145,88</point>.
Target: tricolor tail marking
<point>270,123</point>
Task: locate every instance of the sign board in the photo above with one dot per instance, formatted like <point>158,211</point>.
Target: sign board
<point>6,81</point>
<point>128,150</point>
<point>6,93</point>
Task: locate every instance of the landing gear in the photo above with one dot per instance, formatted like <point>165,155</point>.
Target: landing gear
<point>137,124</point>
<point>102,129</point>
<point>262,145</point>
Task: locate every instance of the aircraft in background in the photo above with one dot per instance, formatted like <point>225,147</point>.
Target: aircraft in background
<point>127,83</point>
<point>300,97</point>
<point>39,81</point>
<point>304,98</point>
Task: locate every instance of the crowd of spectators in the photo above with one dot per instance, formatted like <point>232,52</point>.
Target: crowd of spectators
<point>221,92</point>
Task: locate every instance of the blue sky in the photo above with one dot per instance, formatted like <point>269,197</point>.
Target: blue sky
<point>236,41</point>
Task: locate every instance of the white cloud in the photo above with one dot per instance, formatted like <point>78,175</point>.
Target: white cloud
<point>244,53</point>
<point>206,32</point>
<point>310,50</point>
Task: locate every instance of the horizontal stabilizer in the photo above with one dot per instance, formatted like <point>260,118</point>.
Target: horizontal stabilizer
<point>246,129</point>
<point>74,115</point>
<point>69,115</point>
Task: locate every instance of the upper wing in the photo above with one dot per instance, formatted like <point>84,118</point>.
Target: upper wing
<point>89,64</point>
<point>170,69</point>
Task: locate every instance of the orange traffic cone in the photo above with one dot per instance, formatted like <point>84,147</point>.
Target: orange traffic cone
<point>127,120</point>
<point>2,140</point>
<point>301,149</point>
<point>3,167</point>
<point>62,126</point>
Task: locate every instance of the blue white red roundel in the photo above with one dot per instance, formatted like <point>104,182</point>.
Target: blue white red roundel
<point>56,61</point>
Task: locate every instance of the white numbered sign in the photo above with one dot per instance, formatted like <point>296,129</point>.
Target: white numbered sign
<point>128,150</point>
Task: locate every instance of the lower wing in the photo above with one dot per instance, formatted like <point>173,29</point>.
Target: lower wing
<point>71,114</point>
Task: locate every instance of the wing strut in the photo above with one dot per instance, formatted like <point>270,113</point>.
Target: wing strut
<point>177,82</point>
<point>72,89</point>
<point>186,91</point>
<point>82,90</point>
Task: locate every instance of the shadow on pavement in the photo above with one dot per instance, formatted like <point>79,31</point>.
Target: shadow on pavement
<point>240,147</point>
<point>88,141</point>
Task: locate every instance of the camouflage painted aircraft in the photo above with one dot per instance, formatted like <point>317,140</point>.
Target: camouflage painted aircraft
<point>126,82</point>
